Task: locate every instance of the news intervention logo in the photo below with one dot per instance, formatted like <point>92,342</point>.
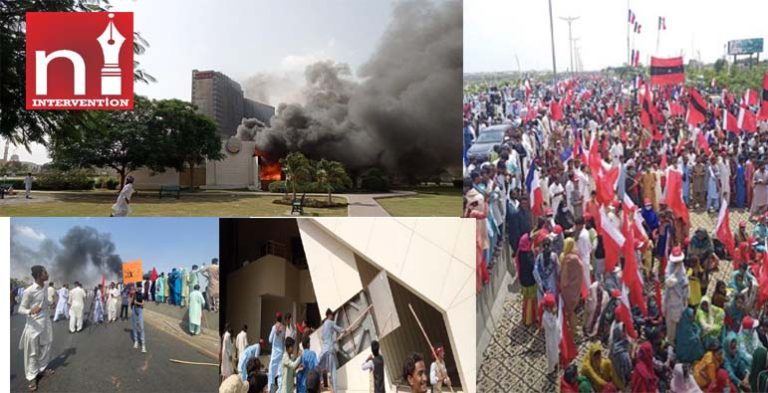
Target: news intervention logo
<point>79,60</point>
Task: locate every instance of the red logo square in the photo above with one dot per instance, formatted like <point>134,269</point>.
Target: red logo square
<point>79,60</point>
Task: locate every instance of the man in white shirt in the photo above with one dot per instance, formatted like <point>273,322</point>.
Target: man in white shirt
<point>556,192</point>
<point>438,374</point>
<point>76,305</point>
<point>241,341</point>
<point>584,249</point>
<point>37,337</point>
<point>114,297</point>
<point>51,296</point>
<point>61,304</point>
<point>121,208</point>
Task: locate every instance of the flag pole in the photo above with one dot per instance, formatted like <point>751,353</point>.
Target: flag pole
<point>629,59</point>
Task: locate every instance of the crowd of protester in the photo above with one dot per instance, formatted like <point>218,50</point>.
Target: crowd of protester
<point>590,188</point>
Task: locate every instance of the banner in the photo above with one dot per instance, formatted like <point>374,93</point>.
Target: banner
<point>667,71</point>
<point>132,272</point>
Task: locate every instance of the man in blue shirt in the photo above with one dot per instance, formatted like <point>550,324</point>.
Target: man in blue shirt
<point>309,360</point>
<point>251,352</point>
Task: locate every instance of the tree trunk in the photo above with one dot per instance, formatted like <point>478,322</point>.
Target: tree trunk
<point>191,177</point>
<point>122,179</point>
<point>293,186</point>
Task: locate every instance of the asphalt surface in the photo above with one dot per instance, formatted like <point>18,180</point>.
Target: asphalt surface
<point>101,358</point>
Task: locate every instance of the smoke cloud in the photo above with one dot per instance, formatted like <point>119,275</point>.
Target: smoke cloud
<point>82,254</point>
<point>403,114</point>
<point>274,89</point>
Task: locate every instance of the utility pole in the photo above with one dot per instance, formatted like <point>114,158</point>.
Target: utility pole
<point>577,55</point>
<point>570,19</point>
<point>552,36</point>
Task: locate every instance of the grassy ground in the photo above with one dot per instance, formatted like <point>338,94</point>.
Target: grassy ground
<point>429,202</point>
<point>203,204</point>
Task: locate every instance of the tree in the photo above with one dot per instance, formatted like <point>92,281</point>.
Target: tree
<point>189,137</point>
<point>331,175</point>
<point>18,125</point>
<point>720,64</point>
<point>296,167</point>
<point>122,140</point>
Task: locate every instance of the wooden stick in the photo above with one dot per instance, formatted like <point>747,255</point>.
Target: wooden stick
<point>193,363</point>
<point>353,324</point>
<point>424,332</point>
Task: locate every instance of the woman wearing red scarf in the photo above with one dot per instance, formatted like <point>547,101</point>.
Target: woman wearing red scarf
<point>644,380</point>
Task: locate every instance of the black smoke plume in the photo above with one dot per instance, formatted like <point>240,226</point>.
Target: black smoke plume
<point>405,112</point>
<point>82,254</point>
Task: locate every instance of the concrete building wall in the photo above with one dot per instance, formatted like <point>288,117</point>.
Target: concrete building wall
<point>146,179</point>
<point>263,287</point>
<point>433,258</point>
<point>235,170</point>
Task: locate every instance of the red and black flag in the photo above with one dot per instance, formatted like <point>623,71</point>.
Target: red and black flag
<point>764,105</point>
<point>667,71</point>
<point>697,108</point>
<point>648,113</point>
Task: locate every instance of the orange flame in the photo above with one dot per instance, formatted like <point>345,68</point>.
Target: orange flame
<point>269,169</point>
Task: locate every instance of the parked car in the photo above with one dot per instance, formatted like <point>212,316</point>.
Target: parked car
<point>489,137</point>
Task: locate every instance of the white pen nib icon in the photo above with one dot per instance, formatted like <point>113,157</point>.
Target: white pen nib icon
<point>111,41</point>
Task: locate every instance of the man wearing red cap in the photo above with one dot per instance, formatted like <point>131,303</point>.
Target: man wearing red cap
<point>438,374</point>
<point>552,330</point>
<point>747,338</point>
<point>676,292</point>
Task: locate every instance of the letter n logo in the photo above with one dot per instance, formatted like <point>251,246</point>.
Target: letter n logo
<point>79,60</point>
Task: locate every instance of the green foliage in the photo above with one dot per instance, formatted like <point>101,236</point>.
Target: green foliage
<point>189,138</point>
<point>331,176</point>
<point>374,179</point>
<point>297,169</point>
<point>122,140</point>
<point>23,127</point>
<point>738,79</point>
<point>64,180</point>
<point>106,182</point>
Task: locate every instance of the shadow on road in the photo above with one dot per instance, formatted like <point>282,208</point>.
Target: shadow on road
<point>61,360</point>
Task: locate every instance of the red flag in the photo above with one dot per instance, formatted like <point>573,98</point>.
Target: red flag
<point>103,295</point>
<point>631,275</point>
<point>605,184</point>
<point>619,109</point>
<point>624,316</point>
<point>675,195</point>
<point>702,142</point>
<point>764,105</point>
<point>747,120</point>
<point>667,71</point>
<point>723,229</point>
<point>697,108</point>
<point>153,275</point>
<point>557,112</point>
<point>750,98</point>
<point>658,295</point>
<point>568,349</point>
<point>623,134</point>
<point>613,241</point>
<point>729,122</point>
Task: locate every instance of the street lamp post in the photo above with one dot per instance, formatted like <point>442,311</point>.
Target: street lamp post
<point>570,19</point>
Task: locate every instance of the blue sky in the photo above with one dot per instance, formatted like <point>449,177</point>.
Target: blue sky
<point>163,243</point>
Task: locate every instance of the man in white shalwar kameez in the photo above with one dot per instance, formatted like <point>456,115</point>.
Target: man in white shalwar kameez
<point>61,306</point>
<point>37,337</point>
<point>51,293</point>
<point>552,331</point>
<point>113,297</point>
<point>76,306</point>
<point>227,353</point>
<point>241,342</point>
<point>121,208</point>
<point>277,339</point>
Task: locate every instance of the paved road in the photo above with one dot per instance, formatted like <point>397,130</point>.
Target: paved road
<point>101,358</point>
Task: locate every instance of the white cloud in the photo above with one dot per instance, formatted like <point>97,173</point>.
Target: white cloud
<point>28,232</point>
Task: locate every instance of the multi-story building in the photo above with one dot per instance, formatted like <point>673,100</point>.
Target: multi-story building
<point>221,98</point>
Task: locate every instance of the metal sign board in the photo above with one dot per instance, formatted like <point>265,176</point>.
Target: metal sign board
<point>745,47</point>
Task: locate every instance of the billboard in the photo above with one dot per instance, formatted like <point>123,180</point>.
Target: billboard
<point>745,47</point>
